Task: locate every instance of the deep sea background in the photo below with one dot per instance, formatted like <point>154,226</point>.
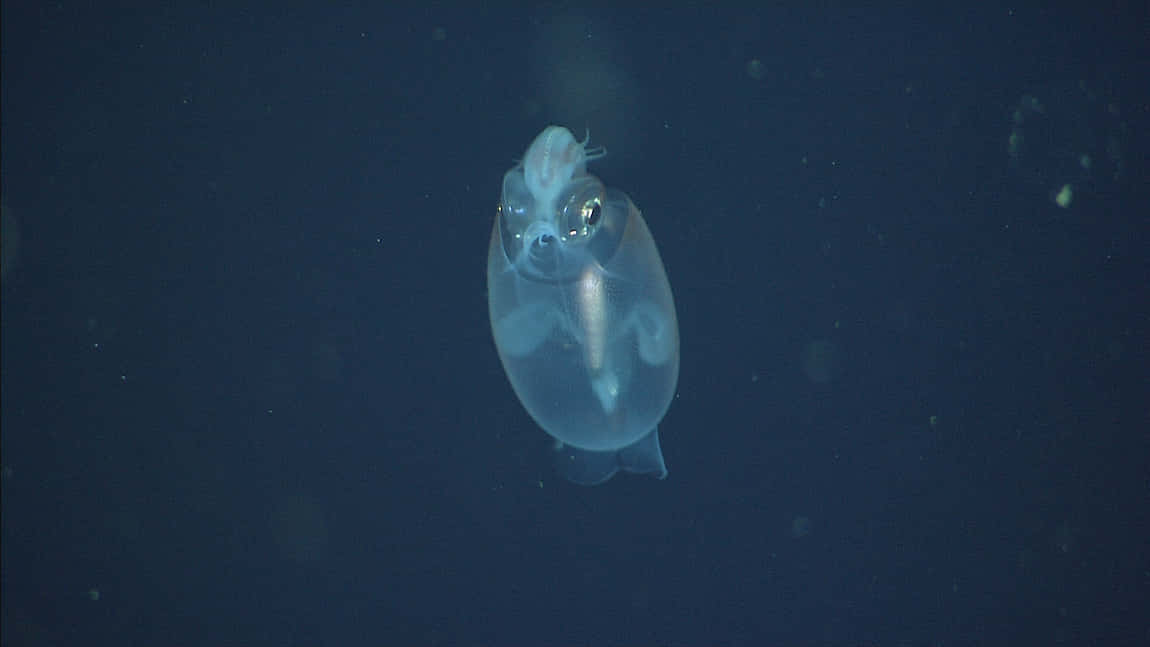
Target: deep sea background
<point>249,392</point>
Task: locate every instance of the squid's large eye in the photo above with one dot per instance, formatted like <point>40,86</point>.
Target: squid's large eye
<point>582,208</point>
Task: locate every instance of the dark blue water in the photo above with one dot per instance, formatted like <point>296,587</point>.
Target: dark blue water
<point>249,394</point>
